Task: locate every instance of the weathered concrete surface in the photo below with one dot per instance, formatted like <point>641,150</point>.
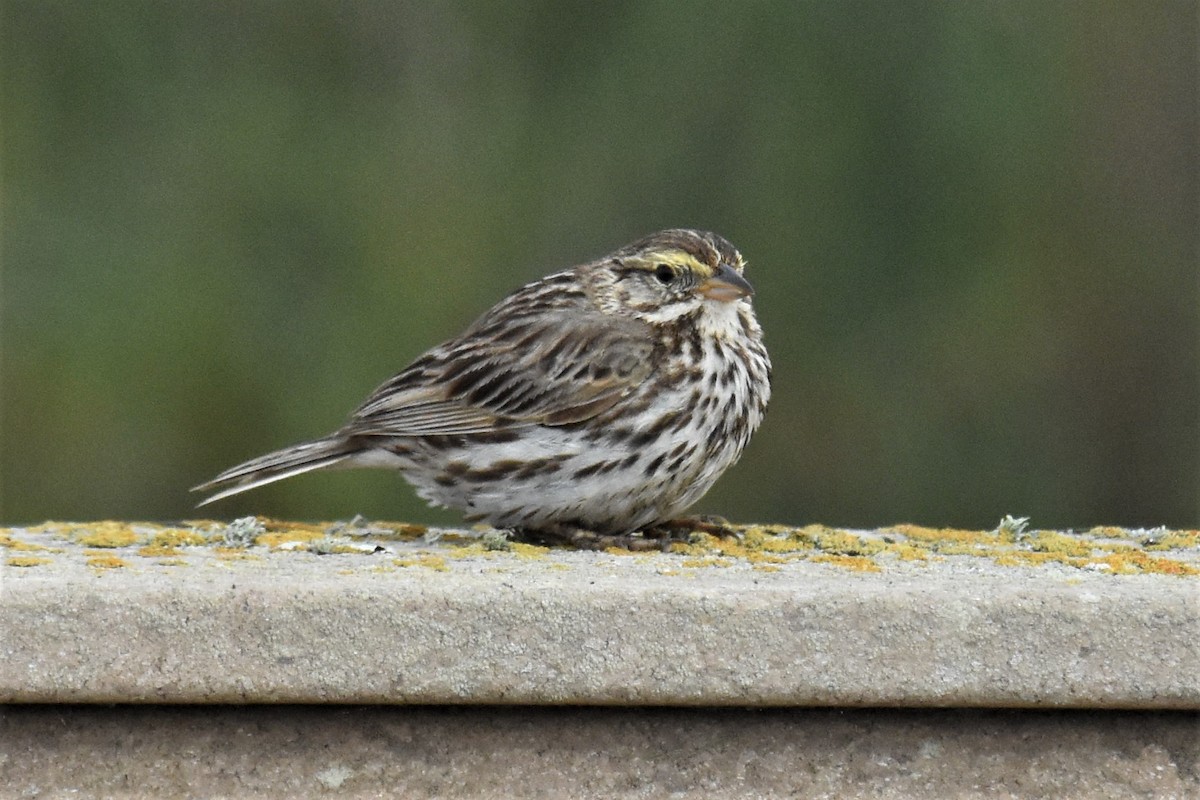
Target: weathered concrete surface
<point>118,614</point>
<point>373,752</point>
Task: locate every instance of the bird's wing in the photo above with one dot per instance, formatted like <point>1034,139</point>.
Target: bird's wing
<point>549,369</point>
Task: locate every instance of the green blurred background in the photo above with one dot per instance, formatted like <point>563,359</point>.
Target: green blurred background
<point>972,227</point>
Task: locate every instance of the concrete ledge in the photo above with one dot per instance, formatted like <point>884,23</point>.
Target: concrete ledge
<point>117,613</point>
<point>378,752</point>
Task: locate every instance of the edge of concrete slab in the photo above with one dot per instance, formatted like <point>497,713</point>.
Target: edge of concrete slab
<point>420,619</point>
<point>395,751</point>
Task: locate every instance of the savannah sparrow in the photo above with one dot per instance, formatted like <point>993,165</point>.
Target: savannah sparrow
<point>598,401</point>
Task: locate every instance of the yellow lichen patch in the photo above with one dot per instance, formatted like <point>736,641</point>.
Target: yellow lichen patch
<point>759,539</point>
<point>721,545</point>
<point>106,534</point>
<point>475,548</point>
<point>959,548</point>
<point>1060,543</point>
<point>1174,540</point>
<point>528,550</point>
<point>949,541</point>
<point>336,546</point>
<point>752,543</point>
<point>685,549</point>
<point>908,552</point>
<point>106,561</point>
<point>61,529</point>
<point>407,529</point>
<point>281,532</point>
<point>809,534</point>
<point>767,568</point>
<point>761,544</point>
<point>1109,532</point>
<point>283,525</point>
<point>1135,561</point>
<point>839,542</point>
<point>706,561</point>
<point>278,538</point>
<point>855,563</point>
<point>770,558</point>
<point>358,527</point>
<point>428,561</point>
<point>755,538</point>
<point>157,551</point>
<point>1104,550</point>
<point>26,561</point>
<point>1028,558</point>
<point>10,543</point>
<point>234,554</point>
<point>178,537</point>
<point>385,531</point>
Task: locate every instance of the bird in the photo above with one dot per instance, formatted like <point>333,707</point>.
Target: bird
<point>590,406</point>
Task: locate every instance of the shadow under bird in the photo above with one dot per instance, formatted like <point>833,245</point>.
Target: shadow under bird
<point>597,401</point>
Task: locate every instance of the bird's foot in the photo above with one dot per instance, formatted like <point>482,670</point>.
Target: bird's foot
<point>584,539</point>
<point>580,539</point>
<point>684,528</point>
<point>655,537</point>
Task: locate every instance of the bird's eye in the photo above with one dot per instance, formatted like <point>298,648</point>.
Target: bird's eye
<point>664,274</point>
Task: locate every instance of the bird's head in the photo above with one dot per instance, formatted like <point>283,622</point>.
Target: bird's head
<point>670,274</point>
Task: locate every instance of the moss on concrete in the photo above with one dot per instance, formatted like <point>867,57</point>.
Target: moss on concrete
<point>112,544</point>
<point>26,561</point>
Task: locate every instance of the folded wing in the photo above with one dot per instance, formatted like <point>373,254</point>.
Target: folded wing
<point>554,369</point>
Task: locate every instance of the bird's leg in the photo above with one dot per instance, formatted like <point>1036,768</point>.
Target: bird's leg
<point>582,538</point>
<point>679,530</point>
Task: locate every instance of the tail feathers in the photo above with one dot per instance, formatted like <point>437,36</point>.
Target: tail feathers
<point>295,460</point>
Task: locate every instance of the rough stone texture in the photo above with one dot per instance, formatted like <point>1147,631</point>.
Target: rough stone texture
<point>528,643</point>
<point>385,752</point>
<point>449,622</point>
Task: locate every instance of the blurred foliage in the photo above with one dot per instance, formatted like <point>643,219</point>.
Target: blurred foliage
<point>972,226</point>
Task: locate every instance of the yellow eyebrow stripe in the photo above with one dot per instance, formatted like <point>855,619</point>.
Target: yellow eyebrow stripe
<point>675,258</point>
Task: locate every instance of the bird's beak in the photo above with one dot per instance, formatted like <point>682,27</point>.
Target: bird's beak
<point>725,285</point>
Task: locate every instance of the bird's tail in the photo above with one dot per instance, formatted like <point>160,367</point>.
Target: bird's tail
<point>294,460</point>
